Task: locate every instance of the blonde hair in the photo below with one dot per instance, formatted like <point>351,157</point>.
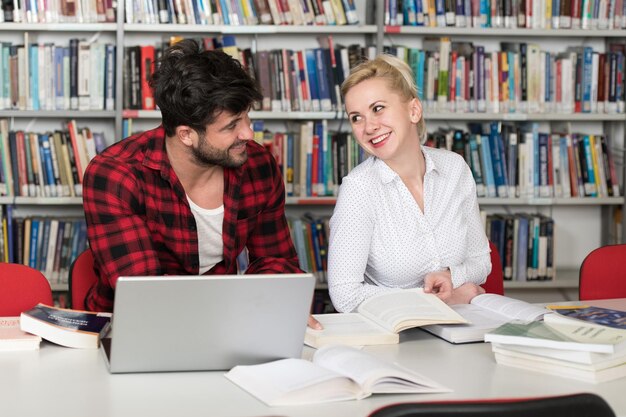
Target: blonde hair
<point>398,76</point>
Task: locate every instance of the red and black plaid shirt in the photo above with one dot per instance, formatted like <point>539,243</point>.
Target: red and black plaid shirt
<point>139,221</point>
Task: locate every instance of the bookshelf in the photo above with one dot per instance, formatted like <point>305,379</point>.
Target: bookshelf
<point>582,223</point>
<point>578,211</point>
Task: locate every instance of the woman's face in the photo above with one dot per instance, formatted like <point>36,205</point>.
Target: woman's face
<point>383,122</point>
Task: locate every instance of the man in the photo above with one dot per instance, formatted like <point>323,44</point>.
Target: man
<point>187,197</point>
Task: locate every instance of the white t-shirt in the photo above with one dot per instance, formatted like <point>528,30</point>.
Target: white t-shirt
<point>381,239</point>
<point>209,226</point>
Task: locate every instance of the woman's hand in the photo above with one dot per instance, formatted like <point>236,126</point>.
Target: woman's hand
<point>440,284</point>
<point>314,324</point>
<point>465,293</point>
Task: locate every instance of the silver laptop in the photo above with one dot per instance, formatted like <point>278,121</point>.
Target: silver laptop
<point>196,323</point>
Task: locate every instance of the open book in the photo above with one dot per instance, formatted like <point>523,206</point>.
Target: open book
<point>486,312</point>
<point>379,319</point>
<point>336,373</point>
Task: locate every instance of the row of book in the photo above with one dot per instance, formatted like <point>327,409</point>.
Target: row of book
<point>57,11</point>
<point>525,243</point>
<point>305,80</point>
<point>513,161</point>
<point>45,76</point>
<point>450,77</point>
<point>511,14</point>
<point>47,244</point>
<point>310,234</point>
<point>520,77</point>
<point>314,160</point>
<point>242,12</point>
<point>46,164</point>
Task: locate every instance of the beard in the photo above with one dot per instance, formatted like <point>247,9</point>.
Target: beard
<point>207,155</point>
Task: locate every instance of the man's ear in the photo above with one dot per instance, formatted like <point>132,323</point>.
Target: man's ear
<point>415,107</point>
<point>185,135</point>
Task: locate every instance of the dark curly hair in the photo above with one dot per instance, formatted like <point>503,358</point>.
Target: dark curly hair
<point>192,87</point>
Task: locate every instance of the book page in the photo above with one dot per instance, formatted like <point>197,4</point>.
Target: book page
<point>348,329</point>
<point>372,374</point>
<point>293,382</point>
<point>403,309</point>
<point>509,307</point>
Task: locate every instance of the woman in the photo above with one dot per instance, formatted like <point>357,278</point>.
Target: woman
<point>408,216</point>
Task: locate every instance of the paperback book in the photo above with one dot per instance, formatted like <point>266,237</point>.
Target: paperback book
<point>601,371</point>
<point>554,333</point>
<point>13,338</point>
<point>71,328</point>
<point>593,315</point>
<point>336,373</point>
<point>379,319</point>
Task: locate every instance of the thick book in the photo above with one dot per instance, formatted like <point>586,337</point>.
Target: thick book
<point>599,360</point>
<point>65,327</point>
<point>12,338</point>
<point>595,373</point>
<point>379,319</point>
<point>485,313</point>
<point>336,373</point>
<point>552,333</point>
<point>593,315</point>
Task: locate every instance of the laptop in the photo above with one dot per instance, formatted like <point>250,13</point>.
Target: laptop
<point>200,323</point>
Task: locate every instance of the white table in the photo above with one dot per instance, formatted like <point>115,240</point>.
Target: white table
<point>57,381</point>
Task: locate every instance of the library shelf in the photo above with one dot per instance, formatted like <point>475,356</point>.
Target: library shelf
<point>265,115</point>
<point>251,29</point>
<point>46,201</point>
<point>503,32</point>
<point>59,114</point>
<point>58,27</point>
<point>522,117</point>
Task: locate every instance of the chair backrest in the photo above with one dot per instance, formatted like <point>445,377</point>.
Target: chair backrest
<point>603,274</point>
<point>576,405</point>
<point>21,288</point>
<point>495,279</point>
<point>81,279</point>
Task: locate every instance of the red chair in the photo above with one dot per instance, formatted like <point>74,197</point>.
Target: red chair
<point>495,279</point>
<point>574,405</point>
<point>603,274</point>
<point>81,279</point>
<point>21,288</point>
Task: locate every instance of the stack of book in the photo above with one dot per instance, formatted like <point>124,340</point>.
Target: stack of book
<point>590,347</point>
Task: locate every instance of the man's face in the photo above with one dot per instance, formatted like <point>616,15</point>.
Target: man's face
<point>224,141</point>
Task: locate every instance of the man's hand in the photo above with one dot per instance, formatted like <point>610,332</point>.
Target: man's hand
<point>314,324</point>
<point>440,284</point>
<point>465,293</point>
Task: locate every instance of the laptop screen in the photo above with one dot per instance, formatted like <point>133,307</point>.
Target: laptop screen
<point>188,323</point>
